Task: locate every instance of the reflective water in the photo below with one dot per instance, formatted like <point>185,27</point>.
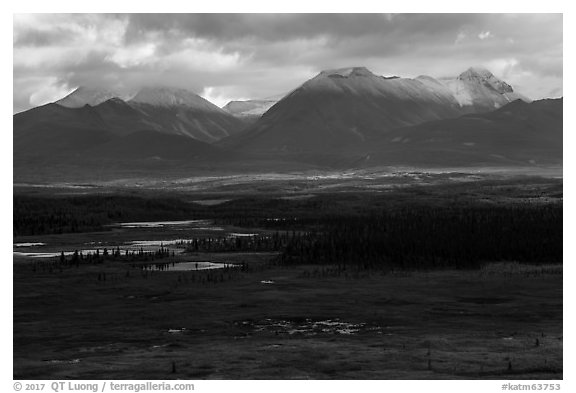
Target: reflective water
<point>29,244</point>
<point>161,224</point>
<point>174,245</point>
<point>52,254</point>
<point>188,266</point>
<point>158,243</point>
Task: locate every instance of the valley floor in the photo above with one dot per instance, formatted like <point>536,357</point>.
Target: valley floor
<point>112,319</point>
<point>273,322</point>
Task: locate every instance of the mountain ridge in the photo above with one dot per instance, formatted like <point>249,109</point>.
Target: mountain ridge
<point>165,110</point>
<point>343,106</point>
<point>340,117</point>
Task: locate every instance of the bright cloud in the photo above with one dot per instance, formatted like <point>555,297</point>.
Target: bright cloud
<point>133,56</point>
<point>50,90</point>
<point>219,97</point>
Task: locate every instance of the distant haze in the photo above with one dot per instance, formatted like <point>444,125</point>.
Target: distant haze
<point>226,57</point>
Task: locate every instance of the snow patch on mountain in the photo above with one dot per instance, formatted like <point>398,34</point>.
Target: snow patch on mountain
<point>483,76</point>
<point>348,72</point>
<point>249,107</point>
<point>169,97</point>
<point>359,81</point>
<point>90,96</point>
<point>478,90</point>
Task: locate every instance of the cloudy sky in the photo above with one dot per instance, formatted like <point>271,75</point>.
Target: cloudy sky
<point>242,56</point>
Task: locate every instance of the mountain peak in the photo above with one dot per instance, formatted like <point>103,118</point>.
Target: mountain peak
<point>485,77</point>
<point>170,97</point>
<point>476,72</point>
<point>116,101</point>
<point>87,96</point>
<point>348,72</point>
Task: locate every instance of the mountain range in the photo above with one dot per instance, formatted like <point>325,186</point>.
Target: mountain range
<point>165,110</point>
<point>251,110</point>
<point>343,117</point>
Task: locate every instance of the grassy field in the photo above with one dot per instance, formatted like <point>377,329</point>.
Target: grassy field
<point>271,320</point>
<point>276,322</point>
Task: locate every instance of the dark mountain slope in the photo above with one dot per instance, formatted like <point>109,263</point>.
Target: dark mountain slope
<point>154,145</point>
<point>53,131</point>
<point>518,133</point>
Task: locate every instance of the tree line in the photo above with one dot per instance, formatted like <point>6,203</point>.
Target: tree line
<point>434,237</point>
<point>33,215</point>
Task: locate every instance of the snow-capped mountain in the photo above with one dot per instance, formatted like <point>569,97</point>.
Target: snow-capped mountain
<point>342,108</point>
<point>161,109</point>
<point>478,90</point>
<point>172,97</point>
<point>343,117</point>
<point>249,111</point>
<point>90,96</point>
<point>345,106</point>
<point>249,107</point>
<point>181,112</point>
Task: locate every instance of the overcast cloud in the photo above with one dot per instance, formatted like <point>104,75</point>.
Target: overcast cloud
<point>242,56</point>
